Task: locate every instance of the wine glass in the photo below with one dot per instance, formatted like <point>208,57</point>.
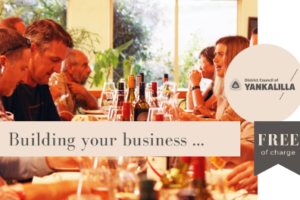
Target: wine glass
<point>115,113</point>
<point>54,80</point>
<point>168,118</point>
<point>109,97</point>
<point>152,113</point>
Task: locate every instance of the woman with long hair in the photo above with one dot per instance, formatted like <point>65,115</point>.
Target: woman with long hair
<point>225,51</point>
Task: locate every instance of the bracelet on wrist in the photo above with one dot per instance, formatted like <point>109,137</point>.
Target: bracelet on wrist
<point>195,87</point>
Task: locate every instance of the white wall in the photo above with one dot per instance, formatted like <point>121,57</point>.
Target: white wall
<point>93,15</point>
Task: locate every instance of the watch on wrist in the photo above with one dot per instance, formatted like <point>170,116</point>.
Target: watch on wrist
<point>195,87</point>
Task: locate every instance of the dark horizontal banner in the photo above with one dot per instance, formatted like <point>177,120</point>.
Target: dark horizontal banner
<point>277,143</point>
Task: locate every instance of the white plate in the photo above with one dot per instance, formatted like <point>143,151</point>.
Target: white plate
<point>56,177</point>
<point>92,112</point>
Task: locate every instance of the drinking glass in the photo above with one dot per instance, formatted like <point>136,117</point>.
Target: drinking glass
<point>54,81</point>
<point>168,91</point>
<point>152,113</point>
<point>99,180</point>
<point>107,96</point>
<point>148,92</point>
<point>138,164</point>
<point>170,108</point>
<point>135,164</point>
<point>115,113</point>
<point>168,118</point>
<point>92,162</point>
<point>126,185</point>
<point>154,102</point>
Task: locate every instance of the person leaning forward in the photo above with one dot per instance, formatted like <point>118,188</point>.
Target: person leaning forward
<point>70,81</point>
<point>32,100</point>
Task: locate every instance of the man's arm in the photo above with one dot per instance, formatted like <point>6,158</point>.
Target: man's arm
<point>22,168</point>
<point>64,113</point>
<point>90,100</point>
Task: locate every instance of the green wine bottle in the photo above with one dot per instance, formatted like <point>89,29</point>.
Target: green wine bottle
<point>141,107</point>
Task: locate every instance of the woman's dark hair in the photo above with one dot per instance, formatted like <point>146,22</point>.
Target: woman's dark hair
<point>209,54</point>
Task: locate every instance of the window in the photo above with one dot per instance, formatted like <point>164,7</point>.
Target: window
<point>200,24</point>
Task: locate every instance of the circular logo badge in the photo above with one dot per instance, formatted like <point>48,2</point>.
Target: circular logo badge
<point>262,83</point>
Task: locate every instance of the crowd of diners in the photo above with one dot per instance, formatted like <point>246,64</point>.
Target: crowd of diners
<point>31,57</point>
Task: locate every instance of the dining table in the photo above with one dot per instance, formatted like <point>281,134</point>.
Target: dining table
<point>212,177</point>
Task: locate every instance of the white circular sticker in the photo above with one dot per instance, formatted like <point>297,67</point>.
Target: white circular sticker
<point>262,83</point>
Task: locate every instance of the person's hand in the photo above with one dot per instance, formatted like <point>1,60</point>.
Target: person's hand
<point>67,162</point>
<point>76,88</point>
<point>184,116</point>
<point>195,77</point>
<point>55,91</point>
<point>202,110</point>
<point>242,177</point>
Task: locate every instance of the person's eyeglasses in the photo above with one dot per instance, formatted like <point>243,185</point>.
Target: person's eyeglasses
<point>28,44</point>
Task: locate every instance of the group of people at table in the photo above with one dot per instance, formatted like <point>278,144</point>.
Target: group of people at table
<point>30,56</point>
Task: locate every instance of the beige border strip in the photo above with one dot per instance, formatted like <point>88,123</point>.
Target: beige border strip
<point>176,69</point>
<point>111,34</point>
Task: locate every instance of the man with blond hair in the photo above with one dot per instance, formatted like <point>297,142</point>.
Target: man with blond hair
<point>71,79</point>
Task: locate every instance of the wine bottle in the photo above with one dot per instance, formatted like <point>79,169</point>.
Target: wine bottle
<point>126,111</point>
<point>175,177</point>
<point>138,81</point>
<point>167,90</point>
<point>153,101</point>
<point>154,89</point>
<point>141,107</point>
<point>147,190</point>
<point>166,78</point>
<point>130,95</point>
<point>143,77</point>
<point>120,99</point>
<point>122,80</point>
<point>199,179</point>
